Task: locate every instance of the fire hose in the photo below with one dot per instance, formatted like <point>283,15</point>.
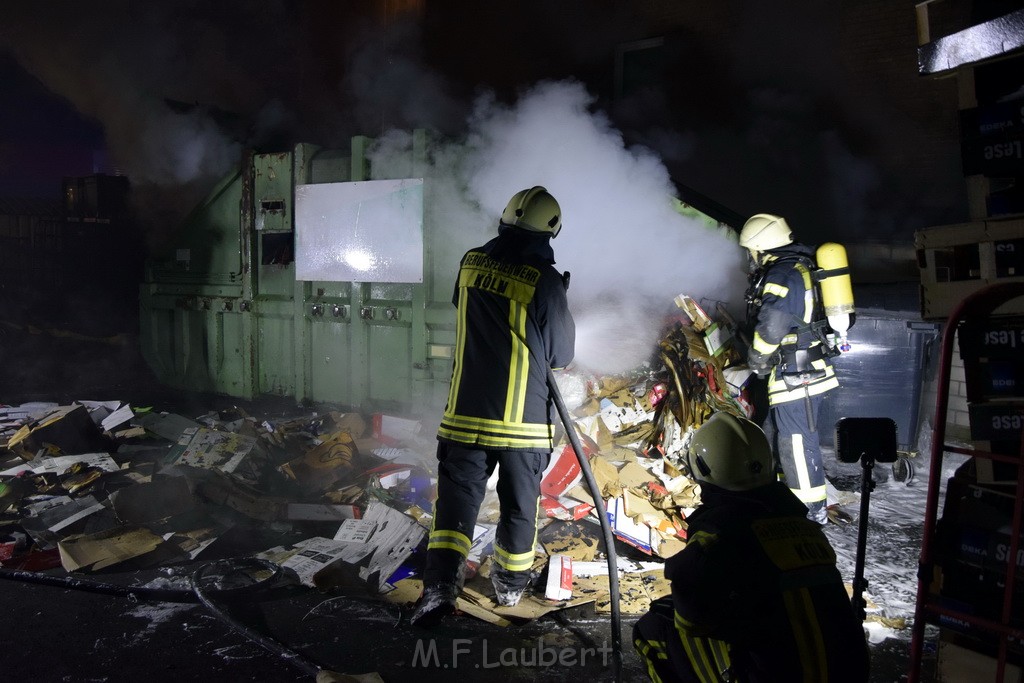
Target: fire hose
<point>195,594</point>
<point>609,538</point>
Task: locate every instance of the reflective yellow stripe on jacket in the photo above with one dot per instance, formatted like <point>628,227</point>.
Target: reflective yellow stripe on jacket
<point>709,658</point>
<point>495,433</point>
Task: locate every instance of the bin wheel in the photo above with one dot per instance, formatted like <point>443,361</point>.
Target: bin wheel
<point>903,470</point>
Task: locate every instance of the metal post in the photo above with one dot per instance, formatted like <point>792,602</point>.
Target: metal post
<point>860,584</point>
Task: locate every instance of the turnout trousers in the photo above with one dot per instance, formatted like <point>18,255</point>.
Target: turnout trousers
<point>462,475</point>
<point>671,657</point>
<point>798,449</point>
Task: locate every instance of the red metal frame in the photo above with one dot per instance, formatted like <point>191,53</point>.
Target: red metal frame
<point>978,305</point>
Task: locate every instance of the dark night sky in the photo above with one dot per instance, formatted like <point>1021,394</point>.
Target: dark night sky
<point>759,114</point>
<point>42,137</point>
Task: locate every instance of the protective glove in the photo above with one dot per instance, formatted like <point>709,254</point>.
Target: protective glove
<point>761,364</point>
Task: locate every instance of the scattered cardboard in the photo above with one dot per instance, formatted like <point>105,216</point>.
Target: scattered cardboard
<point>66,429</point>
<point>565,508</point>
<point>479,593</point>
<point>323,465</point>
<point>396,537</point>
<point>220,488</point>
<point>605,475</point>
<point>316,555</point>
<point>355,530</point>
<point>209,448</point>
<point>698,317</point>
<point>635,475</point>
<point>637,589</point>
<point>320,512</point>
<point>193,541</point>
<point>391,429</point>
<point>353,423</point>
<point>106,548</point>
<point>148,502</point>
<point>49,517</point>
<point>626,529</point>
<point>577,540</point>
<point>559,581</point>
<point>167,426</point>
<point>562,473</point>
<point>59,464</point>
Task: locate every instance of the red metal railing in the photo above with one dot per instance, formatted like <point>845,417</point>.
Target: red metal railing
<point>978,305</point>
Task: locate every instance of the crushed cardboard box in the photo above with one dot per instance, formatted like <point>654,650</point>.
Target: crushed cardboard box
<point>63,430</point>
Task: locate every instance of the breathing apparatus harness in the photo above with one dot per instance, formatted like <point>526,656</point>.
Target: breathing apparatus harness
<point>795,361</point>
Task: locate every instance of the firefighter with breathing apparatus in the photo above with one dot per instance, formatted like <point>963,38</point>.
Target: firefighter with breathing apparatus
<point>756,595</point>
<point>798,312</point>
<point>513,324</point>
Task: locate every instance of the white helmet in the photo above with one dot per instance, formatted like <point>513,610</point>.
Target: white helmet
<point>534,210</point>
<point>730,452</point>
<point>765,231</point>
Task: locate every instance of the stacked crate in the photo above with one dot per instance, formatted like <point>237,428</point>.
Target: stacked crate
<point>992,350</point>
<point>957,260</point>
<point>981,498</point>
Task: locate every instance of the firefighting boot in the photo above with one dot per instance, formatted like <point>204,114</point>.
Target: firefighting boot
<point>818,513</point>
<point>440,592</point>
<point>509,586</point>
<point>437,602</point>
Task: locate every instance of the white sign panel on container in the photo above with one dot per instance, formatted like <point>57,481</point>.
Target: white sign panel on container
<point>366,231</point>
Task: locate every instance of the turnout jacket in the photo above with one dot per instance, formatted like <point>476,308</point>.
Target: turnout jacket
<point>789,303</point>
<point>758,580</point>
<point>513,324</point>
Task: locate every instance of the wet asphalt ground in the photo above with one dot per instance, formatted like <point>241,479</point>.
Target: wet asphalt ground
<point>58,634</point>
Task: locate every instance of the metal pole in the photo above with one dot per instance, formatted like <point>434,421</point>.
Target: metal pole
<point>859,583</point>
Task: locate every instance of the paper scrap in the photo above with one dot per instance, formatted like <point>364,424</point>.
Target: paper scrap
<point>355,530</point>
<point>106,548</point>
<point>209,448</point>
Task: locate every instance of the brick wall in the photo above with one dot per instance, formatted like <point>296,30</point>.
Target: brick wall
<point>957,422</point>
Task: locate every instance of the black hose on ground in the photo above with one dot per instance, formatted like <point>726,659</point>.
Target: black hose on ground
<point>73,582</point>
<point>195,594</point>
<point>609,537</point>
<point>185,595</point>
<point>306,665</point>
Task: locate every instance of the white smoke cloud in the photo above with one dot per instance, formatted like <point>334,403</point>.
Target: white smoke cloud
<point>630,253</point>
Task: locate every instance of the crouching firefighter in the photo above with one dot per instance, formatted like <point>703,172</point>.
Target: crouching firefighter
<point>756,595</point>
<point>513,324</point>
<point>790,345</point>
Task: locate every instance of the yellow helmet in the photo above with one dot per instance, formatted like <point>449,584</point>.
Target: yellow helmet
<point>534,210</point>
<point>730,452</point>
<point>764,231</point>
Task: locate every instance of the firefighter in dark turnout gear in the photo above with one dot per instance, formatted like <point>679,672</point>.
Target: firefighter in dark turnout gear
<point>790,346</point>
<point>513,324</point>
<point>756,595</point>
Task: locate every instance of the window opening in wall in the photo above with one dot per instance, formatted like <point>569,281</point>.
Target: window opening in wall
<point>961,262</point>
<point>277,248</point>
<point>639,65</point>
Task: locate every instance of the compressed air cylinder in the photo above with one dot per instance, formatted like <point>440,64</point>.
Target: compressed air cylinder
<point>836,287</point>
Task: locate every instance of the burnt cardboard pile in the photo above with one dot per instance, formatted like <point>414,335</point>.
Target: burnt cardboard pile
<point>97,486</point>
